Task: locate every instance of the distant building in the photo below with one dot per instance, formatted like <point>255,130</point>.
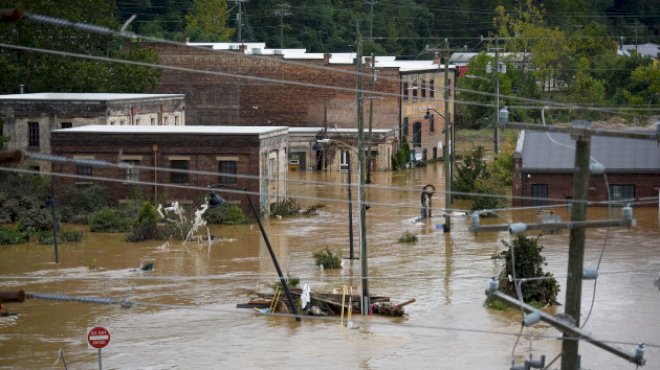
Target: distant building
<point>543,166</point>
<point>323,88</point>
<point>650,50</point>
<point>316,148</point>
<point>28,119</point>
<point>244,157</point>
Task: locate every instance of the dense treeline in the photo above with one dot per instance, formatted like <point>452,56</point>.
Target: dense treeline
<point>400,27</point>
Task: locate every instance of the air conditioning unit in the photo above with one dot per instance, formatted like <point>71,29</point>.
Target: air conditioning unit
<point>234,47</point>
<point>256,51</point>
<point>278,52</point>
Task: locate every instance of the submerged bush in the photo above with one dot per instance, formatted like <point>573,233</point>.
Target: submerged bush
<point>226,214</point>
<point>146,226</point>
<point>284,208</point>
<point>109,220</point>
<point>34,220</point>
<point>63,236</point>
<point>328,259</point>
<point>11,236</point>
<point>408,237</point>
<point>77,205</point>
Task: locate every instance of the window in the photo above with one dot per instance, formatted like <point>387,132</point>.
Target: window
<point>622,192</point>
<point>179,177</point>
<point>137,121</point>
<point>345,158</point>
<point>176,120</point>
<point>33,134</point>
<point>84,170</point>
<point>432,88</point>
<point>539,194</point>
<point>435,153</point>
<point>414,89</point>
<point>405,127</point>
<point>153,121</point>
<point>423,88</point>
<point>132,173</point>
<point>432,123</point>
<point>405,91</point>
<point>417,134</point>
<point>67,124</point>
<point>228,168</point>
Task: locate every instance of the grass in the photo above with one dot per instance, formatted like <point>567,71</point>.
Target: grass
<point>408,237</point>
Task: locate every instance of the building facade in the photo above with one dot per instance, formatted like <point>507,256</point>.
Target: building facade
<point>543,166</point>
<point>178,163</point>
<point>28,119</point>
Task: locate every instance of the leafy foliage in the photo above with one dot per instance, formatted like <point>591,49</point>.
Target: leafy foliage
<point>328,259</point>
<point>529,263</point>
<point>109,220</point>
<point>227,214</point>
<point>470,170</point>
<point>76,205</point>
<point>63,236</point>
<point>146,226</point>
<point>19,192</point>
<point>11,236</point>
<point>207,21</point>
<point>33,220</point>
<point>284,208</point>
<point>408,237</point>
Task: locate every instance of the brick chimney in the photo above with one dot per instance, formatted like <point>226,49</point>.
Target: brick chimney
<point>436,58</point>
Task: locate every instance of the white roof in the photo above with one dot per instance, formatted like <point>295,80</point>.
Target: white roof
<point>648,50</point>
<point>141,129</point>
<point>333,130</point>
<point>86,96</point>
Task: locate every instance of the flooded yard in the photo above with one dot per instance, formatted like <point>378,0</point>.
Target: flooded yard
<point>186,315</point>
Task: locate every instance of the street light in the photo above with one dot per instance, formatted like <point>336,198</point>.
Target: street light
<point>215,200</point>
<point>446,155</point>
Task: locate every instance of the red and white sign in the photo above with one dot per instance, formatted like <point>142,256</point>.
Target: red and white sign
<point>97,337</point>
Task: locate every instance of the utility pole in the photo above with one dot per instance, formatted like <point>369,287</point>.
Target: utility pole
<point>446,152</point>
<point>496,76</point>
<point>364,302</point>
<point>371,20</point>
<point>239,18</point>
<point>371,117</point>
<point>570,359</point>
<point>282,11</point>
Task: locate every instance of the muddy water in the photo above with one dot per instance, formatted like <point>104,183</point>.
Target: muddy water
<point>187,317</point>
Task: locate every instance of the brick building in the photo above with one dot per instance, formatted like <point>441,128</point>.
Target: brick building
<point>324,89</point>
<point>252,157</point>
<point>28,119</point>
<point>543,166</point>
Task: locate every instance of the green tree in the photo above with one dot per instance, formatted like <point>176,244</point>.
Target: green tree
<point>207,21</point>
<point>644,87</point>
<point>586,89</point>
<point>470,170</point>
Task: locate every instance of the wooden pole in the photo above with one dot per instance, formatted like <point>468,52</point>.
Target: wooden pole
<point>570,358</point>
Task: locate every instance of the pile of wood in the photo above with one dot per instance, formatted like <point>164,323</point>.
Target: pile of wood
<point>326,304</point>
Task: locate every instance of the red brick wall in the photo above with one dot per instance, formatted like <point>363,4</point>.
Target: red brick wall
<point>226,100</point>
<point>202,149</point>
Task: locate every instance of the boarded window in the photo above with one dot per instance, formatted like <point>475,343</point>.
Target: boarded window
<point>84,170</point>
<point>432,123</point>
<point>432,88</point>
<point>67,124</point>
<point>179,177</point>
<point>417,134</point>
<point>414,90</point>
<point>227,171</point>
<point>405,127</point>
<point>423,88</point>
<point>405,91</point>
<point>33,134</point>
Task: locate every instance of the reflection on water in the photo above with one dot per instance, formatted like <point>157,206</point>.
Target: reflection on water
<point>447,327</point>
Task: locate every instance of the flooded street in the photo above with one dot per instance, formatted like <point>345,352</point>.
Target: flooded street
<point>186,315</point>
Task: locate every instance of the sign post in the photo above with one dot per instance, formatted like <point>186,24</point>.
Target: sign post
<point>97,338</point>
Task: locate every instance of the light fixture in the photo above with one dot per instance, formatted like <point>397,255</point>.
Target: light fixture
<point>504,116</point>
<point>428,114</point>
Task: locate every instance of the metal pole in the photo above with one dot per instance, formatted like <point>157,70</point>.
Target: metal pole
<point>371,117</point>
<point>496,70</point>
<point>447,118</point>
<point>285,286</point>
<point>570,357</point>
<point>364,303</point>
<point>51,203</point>
<point>100,360</point>
<point>350,208</point>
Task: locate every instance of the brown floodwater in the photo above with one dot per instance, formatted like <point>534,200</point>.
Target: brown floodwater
<point>186,316</point>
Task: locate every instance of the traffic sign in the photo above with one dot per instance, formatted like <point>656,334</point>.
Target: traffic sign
<point>98,337</point>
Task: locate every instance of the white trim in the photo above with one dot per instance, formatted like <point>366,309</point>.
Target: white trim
<point>178,157</point>
<point>227,158</point>
<point>84,157</point>
<point>131,158</point>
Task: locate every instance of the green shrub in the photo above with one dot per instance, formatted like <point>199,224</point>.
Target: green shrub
<point>284,208</point>
<point>77,204</point>
<point>313,210</point>
<point>33,220</point>
<point>109,220</point>
<point>63,236</point>
<point>328,259</point>
<point>19,192</point>
<point>408,237</point>
<point>11,236</point>
<point>529,264</point>
<point>226,214</point>
<point>291,282</point>
<point>146,226</point>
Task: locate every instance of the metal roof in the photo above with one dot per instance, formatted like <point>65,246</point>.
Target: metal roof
<point>86,96</point>
<point>210,130</point>
<point>543,151</point>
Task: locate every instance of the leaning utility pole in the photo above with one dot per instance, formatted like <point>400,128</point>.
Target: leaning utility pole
<point>371,20</point>
<point>239,18</point>
<point>364,302</point>
<point>282,11</point>
<point>371,117</point>
<point>496,76</point>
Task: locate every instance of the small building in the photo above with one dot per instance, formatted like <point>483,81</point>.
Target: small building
<point>316,148</point>
<point>28,119</point>
<point>543,166</point>
<point>253,158</point>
